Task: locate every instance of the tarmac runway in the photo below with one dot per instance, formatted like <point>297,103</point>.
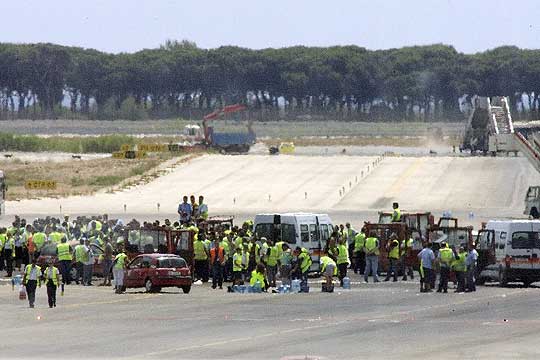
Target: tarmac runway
<point>349,187</point>
<point>385,320</point>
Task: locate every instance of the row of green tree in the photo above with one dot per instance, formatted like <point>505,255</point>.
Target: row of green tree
<point>342,82</point>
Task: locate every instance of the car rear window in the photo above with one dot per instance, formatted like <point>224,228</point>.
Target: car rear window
<point>172,262</point>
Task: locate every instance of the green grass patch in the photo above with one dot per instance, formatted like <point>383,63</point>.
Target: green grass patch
<point>90,144</point>
<point>108,180</point>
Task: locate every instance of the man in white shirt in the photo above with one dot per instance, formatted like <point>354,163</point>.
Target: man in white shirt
<point>470,261</point>
<point>31,280</point>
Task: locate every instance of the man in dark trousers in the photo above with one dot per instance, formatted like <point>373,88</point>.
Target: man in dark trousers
<point>52,279</point>
<point>31,280</point>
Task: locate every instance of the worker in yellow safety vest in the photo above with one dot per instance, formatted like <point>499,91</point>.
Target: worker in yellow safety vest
<point>393,257</point>
<point>359,254</point>
<point>31,280</point>
<point>304,262</point>
<point>272,262</point>
<point>328,270</point>
<point>372,257</point>
<point>52,279</point>
<point>64,258</point>
<point>201,254</point>
<point>237,266</point>
<point>396,214</point>
<point>7,246</point>
<point>257,278</point>
<point>460,268</point>
<point>120,263</point>
<point>342,260</point>
<point>446,257</point>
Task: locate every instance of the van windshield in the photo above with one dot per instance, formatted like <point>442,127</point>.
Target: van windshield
<point>525,240</point>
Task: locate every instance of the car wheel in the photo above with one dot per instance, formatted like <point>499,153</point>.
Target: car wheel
<point>503,279</point>
<point>149,286</point>
<point>186,289</point>
<point>527,282</point>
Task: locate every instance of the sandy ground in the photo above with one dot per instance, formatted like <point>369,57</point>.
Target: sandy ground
<point>472,188</point>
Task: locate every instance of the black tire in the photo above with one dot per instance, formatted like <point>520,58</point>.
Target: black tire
<point>503,278</point>
<point>186,289</point>
<point>149,286</point>
<point>527,282</point>
<point>480,281</point>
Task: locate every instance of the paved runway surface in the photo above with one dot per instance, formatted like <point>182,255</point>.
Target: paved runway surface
<point>386,320</point>
<point>250,184</point>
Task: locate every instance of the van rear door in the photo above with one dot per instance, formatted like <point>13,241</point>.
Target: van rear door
<point>521,240</point>
<point>535,250</point>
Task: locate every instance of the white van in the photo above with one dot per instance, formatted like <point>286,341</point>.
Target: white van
<point>311,231</point>
<point>517,251</point>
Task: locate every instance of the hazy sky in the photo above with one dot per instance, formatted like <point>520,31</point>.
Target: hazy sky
<point>131,25</point>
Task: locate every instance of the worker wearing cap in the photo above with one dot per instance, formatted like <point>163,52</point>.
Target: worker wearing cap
<point>446,257</point>
<point>393,257</point>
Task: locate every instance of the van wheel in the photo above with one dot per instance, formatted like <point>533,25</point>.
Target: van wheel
<point>149,286</point>
<point>186,289</point>
<point>503,279</point>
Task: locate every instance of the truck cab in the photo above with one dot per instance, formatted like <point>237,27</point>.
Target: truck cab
<point>307,230</point>
<point>532,202</point>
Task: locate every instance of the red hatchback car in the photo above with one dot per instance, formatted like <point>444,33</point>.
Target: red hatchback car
<point>156,271</point>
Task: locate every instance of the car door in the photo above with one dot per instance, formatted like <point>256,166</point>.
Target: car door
<point>133,272</point>
<point>147,270</point>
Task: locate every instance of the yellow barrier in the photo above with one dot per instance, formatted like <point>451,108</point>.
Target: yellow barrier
<point>40,185</point>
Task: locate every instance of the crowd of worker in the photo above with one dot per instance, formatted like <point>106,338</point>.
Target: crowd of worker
<point>223,253</point>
